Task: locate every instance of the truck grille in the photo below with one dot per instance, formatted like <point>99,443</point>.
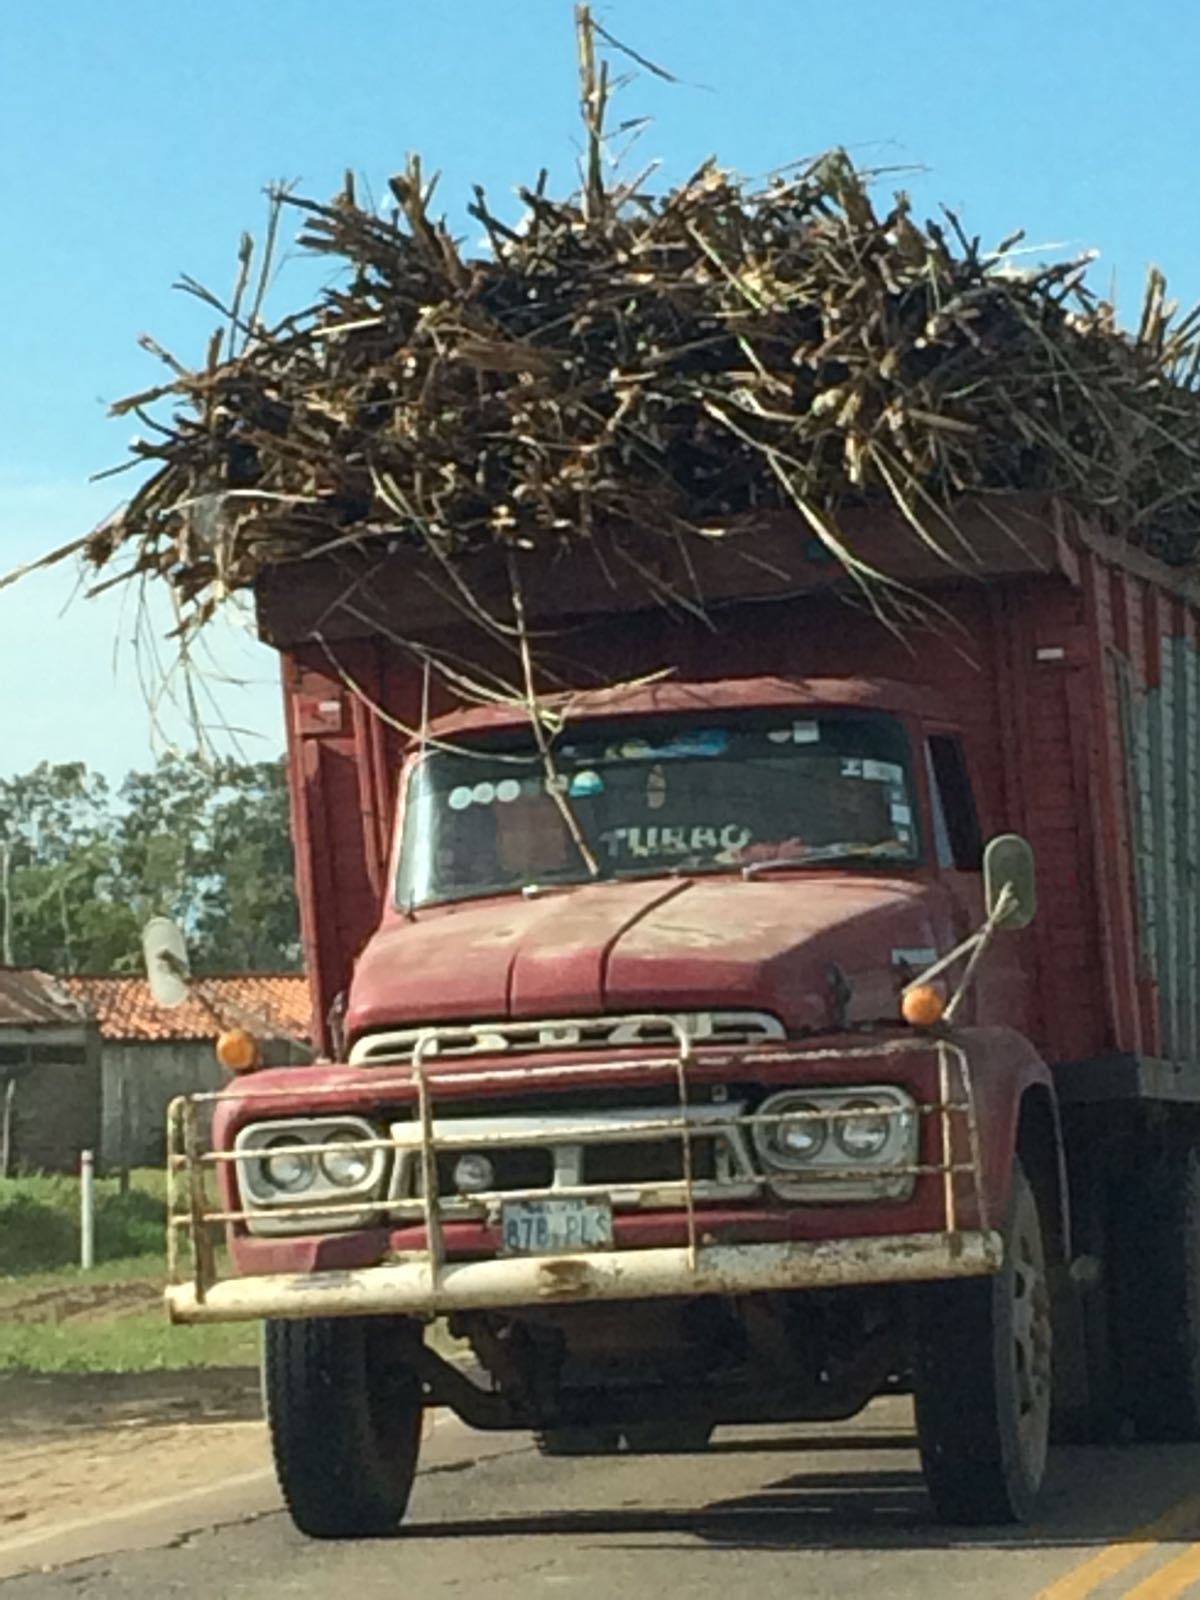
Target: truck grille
<point>608,1150</point>
<point>710,1028</point>
<point>657,1161</point>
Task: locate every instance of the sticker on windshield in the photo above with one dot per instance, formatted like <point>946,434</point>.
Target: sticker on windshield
<point>797,733</point>
<point>586,783</point>
<point>484,794</point>
<point>874,771</point>
<point>705,743</point>
<point>883,771</point>
<point>901,814</point>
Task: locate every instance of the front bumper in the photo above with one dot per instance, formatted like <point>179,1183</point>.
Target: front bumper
<point>415,1288</point>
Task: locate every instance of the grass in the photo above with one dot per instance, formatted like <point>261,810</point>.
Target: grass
<point>54,1317</point>
<point>39,1220</point>
<point>108,1320</point>
<point>139,1342</point>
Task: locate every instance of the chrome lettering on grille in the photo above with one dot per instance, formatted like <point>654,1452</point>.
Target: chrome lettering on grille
<point>613,1033</point>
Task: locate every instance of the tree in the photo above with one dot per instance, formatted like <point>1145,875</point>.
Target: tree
<point>81,870</point>
<point>246,918</point>
<point>54,823</point>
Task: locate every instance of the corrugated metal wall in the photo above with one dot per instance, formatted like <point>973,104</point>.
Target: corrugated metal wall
<point>1156,669</point>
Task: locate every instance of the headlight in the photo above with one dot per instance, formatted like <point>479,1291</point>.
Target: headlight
<point>797,1138</point>
<point>831,1145</point>
<point>310,1174</point>
<point>290,1168</point>
<point>349,1167</point>
<point>862,1137</point>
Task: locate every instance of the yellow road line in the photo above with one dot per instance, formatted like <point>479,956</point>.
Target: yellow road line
<point>1115,1558</point>
<point>1175,1578</point>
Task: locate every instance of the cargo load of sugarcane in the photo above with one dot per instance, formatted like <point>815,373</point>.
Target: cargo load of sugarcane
<point>626,366</point>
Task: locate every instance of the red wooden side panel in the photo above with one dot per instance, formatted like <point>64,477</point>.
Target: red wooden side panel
<point>1042,658</point>
<point>1107,639</point>
<point>338,827</point>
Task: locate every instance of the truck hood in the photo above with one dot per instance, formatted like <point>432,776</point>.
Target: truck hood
<point>786,945</point>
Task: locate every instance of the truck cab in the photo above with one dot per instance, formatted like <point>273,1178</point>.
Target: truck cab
<point>626,1086</point>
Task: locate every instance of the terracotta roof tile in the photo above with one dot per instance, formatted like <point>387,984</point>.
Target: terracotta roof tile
<point>275,1005</point>
<point>33,999</point>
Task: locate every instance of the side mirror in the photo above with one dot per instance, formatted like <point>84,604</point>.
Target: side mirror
<point>166,962</point>
<point>1008,864</point>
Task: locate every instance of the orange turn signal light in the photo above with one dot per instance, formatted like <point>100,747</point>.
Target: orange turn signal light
<point>237,1050</point>
<point>923,1007</point>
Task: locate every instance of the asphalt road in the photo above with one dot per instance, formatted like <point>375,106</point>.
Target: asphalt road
<point>810,1513</point>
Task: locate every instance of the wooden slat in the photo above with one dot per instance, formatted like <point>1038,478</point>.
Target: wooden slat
<point>1110,789</point>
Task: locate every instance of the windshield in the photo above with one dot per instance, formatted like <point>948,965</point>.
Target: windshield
<point>689,794</point>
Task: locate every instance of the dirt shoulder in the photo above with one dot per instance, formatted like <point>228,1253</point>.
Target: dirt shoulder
<point>81,1438</point>
<point>79,1445</point>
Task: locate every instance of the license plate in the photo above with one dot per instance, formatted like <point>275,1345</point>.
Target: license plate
<point>552,1227</point>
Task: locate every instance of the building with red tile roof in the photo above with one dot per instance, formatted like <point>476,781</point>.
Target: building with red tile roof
<point>93,1062</point>
<point>273,1005</point>
<point>150,1054</point>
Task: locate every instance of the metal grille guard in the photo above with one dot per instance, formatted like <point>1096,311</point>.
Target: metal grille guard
<point>428,1284</point>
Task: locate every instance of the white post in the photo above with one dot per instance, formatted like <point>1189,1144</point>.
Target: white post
<point>87,1210</point>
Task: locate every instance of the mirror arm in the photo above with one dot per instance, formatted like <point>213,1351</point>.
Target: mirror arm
<point>974,947</point>
<point>256,1022</point>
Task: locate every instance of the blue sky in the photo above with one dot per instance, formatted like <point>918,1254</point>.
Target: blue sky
<point>136,138</point>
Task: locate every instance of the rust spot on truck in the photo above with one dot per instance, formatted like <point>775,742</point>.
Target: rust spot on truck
<point>564,1280</point>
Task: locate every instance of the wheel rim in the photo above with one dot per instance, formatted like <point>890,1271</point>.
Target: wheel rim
<point>1031,1345</point>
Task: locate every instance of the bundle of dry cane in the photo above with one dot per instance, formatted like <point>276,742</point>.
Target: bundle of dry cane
<point>660,364</point>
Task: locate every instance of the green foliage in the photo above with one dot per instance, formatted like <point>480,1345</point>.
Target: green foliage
<point>108,1320</point>
<point>56,1318</point>
<point>39,1221</point>
<point>209,845</point>
<point>142,1342</point>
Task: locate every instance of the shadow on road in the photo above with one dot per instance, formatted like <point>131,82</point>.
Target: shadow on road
<point>813,1446</point>
<point>1095,1497</point>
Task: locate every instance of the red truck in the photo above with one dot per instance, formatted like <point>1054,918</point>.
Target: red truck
<point>688,1039</point>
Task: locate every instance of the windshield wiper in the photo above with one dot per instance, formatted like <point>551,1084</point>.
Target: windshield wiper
<point>822,855</point>
<point>544,886</point>
<point>673,869</point>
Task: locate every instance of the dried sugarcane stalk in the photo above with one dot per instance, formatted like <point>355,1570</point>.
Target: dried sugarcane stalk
<point>649,368</point>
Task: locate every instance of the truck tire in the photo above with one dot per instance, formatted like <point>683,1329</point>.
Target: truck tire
<point>1087,1373</point>
<point>1157,1287</point>
<point>982,1379</point>
<point>1096,1417</point>
<point>667,1438</point>
<point>578,1441</point>
<point>344,1416</point>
